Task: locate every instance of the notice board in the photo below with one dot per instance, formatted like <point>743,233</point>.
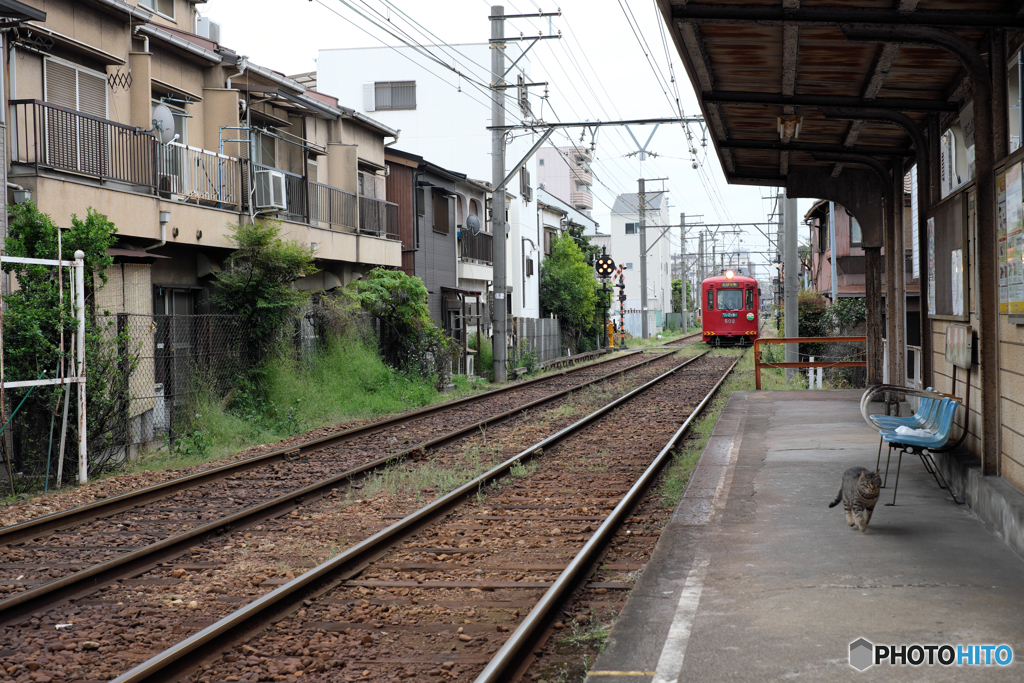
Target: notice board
<point>948,258</point>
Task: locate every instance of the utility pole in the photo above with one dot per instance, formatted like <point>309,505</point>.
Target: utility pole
<point>682,265</point>
<point>792,284</point>
<point>642,201</point>
<point>499,314</point>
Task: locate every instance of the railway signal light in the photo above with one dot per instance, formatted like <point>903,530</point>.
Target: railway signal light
<point>605,265</point>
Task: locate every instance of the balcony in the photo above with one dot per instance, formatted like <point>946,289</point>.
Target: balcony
<point>477,248</point>
<point>582,200</point>
<point>583,175</point>
<point>378,217</point>
<point>47,137</point>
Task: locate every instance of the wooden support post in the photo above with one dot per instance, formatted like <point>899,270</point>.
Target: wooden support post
<point>873,294</point>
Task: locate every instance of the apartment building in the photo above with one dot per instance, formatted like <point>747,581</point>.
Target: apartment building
<point>565,173</point>
<point>624,247</point>
<point>82,81</point>
<point>397,87</point>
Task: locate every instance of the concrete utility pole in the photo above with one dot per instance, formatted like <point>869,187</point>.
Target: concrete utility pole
<point>499,315</point>
<point>642,202</point>
<point>682,265</point>
<point>832,248</point>
<point>792,283</point>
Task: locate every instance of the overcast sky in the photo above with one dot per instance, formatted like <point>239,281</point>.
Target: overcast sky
<point>598,70</point>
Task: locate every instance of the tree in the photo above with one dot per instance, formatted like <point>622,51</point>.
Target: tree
<point>257,282</point>
<point>34,320</point>
<point>408,339</point>
<point>567,285</point>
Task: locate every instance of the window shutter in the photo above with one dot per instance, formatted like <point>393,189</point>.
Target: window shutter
<point>369,97</point>
<point>92,94</point>
<point>61,85</point>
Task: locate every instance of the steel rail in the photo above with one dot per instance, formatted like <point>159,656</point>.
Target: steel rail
<point>87,580</point>
<point>516,648</point>
<point>125,501</point>
<point>175,662</point>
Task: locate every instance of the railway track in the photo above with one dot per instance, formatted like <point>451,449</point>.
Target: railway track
<point>461,588</point>
<point>104,530</point>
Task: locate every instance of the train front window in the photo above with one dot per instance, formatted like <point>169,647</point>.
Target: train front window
<point>750,299</point>
<point>730,300</point>
<point>711,303</point>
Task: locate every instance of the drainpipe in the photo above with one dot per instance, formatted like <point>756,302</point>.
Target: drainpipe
<point>145,38</point>
<point>165,218</point>
<point>397,133</point>
<point>242,64</point>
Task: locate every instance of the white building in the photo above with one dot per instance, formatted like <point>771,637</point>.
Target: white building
<point>623,243</point>
<point>405,91</point>
<point>565,173</point>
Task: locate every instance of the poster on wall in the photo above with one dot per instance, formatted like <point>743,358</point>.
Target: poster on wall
<point>931,266</point>
<point>957,280</point>
<point>1014,236</point>
<point>1004,305</point>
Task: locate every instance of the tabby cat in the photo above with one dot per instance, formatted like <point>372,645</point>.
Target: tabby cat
<point>859,494</point>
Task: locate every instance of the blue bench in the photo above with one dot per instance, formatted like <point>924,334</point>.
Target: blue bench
<point>935,415</point>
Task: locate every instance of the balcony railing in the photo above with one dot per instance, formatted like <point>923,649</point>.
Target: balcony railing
<point>582,200</point>
<point>478,247</point>
<point>198,176</point>
<point>44,135</point>
<point>583,175</point>
<point>332,208</point>
<point>378,217</point>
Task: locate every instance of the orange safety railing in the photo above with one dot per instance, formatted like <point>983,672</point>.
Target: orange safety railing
<point>758,363</point>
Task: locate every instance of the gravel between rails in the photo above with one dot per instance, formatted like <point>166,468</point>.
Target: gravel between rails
<point>116,628</point>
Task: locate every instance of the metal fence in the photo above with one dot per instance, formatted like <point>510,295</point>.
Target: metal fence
<point>198,176</point>
<point>542,336</point>
<point>478,247</point>
<point>634,322</point>
<point>167,363</point>
<point>46,135</point>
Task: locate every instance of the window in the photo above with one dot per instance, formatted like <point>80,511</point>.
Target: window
<point>730,299</point>
<point>629,266</point>
<point>529,267</point>
<point>540,162</point>
<point>266,149</point>
<point>389,95</point>
<point>856,234</point>
<point>750,299</point>
<point>72,87</point>
<point>524,184</point>
<point>442,212</point>
<point>632,228</point>
<point>164,7</point>
<point>547,241</point>
<point>711,299</point>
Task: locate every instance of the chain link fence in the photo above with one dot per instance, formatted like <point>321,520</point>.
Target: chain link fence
<point>167,363</point>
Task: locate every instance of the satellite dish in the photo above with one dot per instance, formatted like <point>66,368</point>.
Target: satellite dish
<point>163,124</point>
<point>473,223</point>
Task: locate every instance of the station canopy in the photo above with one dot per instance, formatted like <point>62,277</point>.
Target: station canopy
<point>780,82</point>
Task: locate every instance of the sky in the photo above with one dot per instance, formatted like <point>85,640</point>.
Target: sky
<point>615,61</point>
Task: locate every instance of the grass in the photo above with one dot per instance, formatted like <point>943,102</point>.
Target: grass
<point>412,479</point>
<point>343,382</point>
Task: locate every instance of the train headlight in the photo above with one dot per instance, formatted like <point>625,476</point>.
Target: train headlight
<point>729,274</point>
<point>750,316</point>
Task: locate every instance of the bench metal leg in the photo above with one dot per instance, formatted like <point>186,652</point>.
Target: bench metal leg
<point>896,486</point>
<point>888,457</point>
<point>933,469</point>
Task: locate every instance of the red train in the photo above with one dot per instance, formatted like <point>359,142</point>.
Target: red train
<point>730,309</point>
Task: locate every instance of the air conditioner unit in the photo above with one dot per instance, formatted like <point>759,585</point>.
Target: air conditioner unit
<point>167,184</point>
<point>270,190</point>
<point>208,29</point>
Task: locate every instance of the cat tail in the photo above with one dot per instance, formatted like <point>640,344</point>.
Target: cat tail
<point>838,498</point>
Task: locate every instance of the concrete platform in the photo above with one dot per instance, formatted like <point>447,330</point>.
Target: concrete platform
<point>756,579</point>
